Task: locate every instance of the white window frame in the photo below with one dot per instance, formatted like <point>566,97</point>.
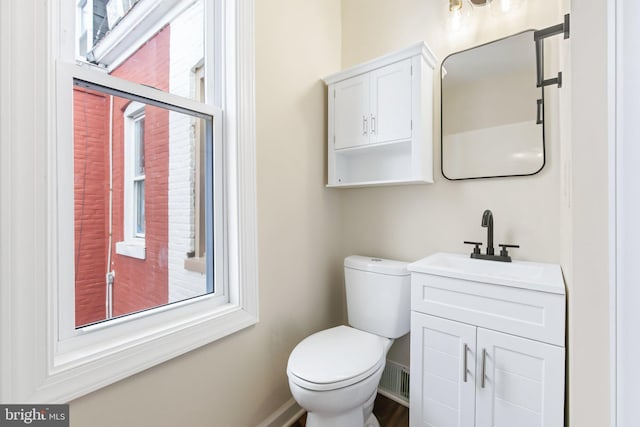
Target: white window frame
<point>88,25</point>
<point>43,358</point>
<point>134,122</point>
<point>133,244</point>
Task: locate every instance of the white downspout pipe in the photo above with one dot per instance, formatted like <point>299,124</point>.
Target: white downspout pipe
<point>110,276</point>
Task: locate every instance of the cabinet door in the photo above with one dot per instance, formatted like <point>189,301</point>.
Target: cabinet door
<point>351,112</point>
<point>391,102</point>
<point>523,382</point>
<point>442,387</point>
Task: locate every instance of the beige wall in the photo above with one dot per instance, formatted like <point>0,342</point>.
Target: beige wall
<point>240,380</point>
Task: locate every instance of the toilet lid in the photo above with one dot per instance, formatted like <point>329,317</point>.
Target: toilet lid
<point>335,358</point>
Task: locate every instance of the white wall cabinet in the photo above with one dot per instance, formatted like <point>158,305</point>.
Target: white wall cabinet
<point>485,355</point>
<point>380,121</point>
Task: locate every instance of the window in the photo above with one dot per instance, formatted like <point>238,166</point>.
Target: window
<point>137,175</point>
<point>95,94</point>
<point>84,25</point>
<point>133,244</point>
<point>150,148</point>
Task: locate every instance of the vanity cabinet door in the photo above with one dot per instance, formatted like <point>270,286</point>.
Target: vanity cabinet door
<point>391,103</point>
<point>351,116</point>
<point>523,382</point>
<point>443,372</point>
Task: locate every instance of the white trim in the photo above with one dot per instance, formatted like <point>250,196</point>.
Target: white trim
<point>7,152</point>
<point>285,415</point>
<point>134,248</point>
<point>135,29</point>
<point>420,48</point>
<point>624,208</point>
<point>132,114</point>
<point>89,25</point>
<point>36,363</point>
<point>612,49</point>
<point>393,397</point>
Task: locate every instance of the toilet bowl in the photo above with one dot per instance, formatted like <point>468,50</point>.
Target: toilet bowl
<point>334,374</point>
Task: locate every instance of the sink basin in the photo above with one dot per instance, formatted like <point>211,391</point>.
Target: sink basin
<point>520,274</point>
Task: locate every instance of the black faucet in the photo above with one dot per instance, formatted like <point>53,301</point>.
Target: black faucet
<point>487,221</point>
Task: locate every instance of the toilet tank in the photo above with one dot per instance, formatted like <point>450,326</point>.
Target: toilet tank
<point>378,295</point>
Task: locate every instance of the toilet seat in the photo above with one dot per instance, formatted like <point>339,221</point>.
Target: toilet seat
<point>336,358</point>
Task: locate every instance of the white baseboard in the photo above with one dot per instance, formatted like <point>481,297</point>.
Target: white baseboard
<point>284,416</point>
<point>393,397</point>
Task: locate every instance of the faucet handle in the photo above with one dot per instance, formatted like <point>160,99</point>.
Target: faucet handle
<point>504,246</point>
<point>476,250</point>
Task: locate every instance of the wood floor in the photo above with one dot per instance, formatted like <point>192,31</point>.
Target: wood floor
<point>388,413</point>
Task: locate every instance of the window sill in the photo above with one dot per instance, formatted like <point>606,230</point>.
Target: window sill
<point>196,264</point>
<point>132,248</point>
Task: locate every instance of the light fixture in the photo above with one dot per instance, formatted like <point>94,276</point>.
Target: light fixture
<point>455,5</point>
<point>504,6</point>
<point>458,15</point>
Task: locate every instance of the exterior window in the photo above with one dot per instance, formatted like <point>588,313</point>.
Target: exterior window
<point>133,244</point>
<point>84,25</point>
<point>138,176</point>
<point>134,174</point>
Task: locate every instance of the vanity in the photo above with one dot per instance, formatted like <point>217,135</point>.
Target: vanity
<point>487,343</point>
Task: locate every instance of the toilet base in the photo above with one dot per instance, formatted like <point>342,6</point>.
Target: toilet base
<point>346,419</point>
<point>372,421</point>
<point>349,419</point>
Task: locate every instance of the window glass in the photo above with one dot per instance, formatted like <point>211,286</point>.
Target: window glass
<point>136,206</point>
<point>158,43</point>
<point>84,15</point>
<point>139,141</point>
<point>141,219</point>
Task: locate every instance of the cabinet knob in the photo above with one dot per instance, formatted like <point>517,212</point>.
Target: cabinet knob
<point>364,125</point>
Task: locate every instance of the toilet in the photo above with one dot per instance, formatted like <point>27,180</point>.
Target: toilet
<point>334,374</point>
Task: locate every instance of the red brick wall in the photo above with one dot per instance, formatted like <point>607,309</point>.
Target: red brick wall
<point>90,203</point>
<point>139,284</point>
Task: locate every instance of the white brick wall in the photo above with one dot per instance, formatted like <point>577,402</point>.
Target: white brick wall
<point>186,50</point>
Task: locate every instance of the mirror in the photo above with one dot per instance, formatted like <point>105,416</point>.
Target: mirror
<point>492,111</point>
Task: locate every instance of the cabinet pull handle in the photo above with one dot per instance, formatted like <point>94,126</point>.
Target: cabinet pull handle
<point>464,363</point>
<point>484,366</point>
<point>373,124</point>
<point>364,126</point>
